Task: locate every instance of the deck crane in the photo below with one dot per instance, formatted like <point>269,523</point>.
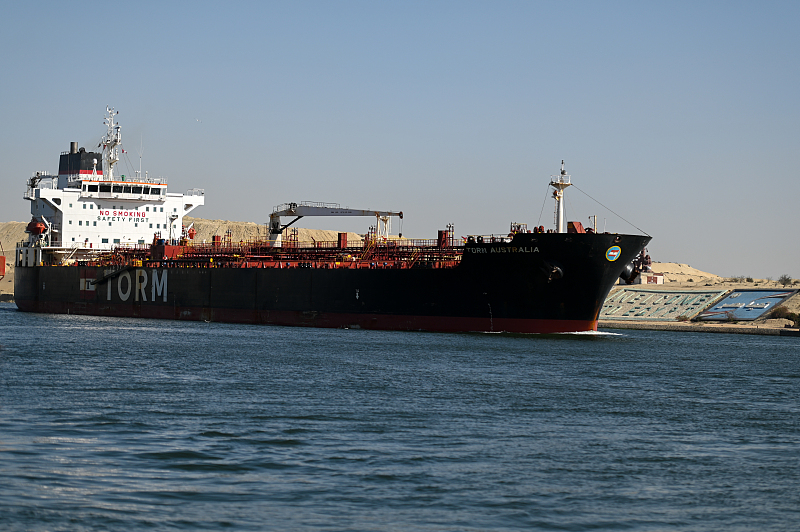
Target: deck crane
<point>307,208</point>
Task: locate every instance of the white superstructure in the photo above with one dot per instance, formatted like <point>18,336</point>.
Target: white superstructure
<point>87,207</point>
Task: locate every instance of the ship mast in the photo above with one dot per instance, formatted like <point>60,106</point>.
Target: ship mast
<point>110,143</point>
<point>559,183</point>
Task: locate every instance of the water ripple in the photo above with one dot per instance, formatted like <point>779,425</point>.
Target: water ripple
<point>191,426</point>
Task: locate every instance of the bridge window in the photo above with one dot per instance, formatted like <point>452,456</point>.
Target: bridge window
<point>136,190</point>
<point>105,188</point>
<point>105,241</point>
<point>126,189</point>
<point>117,189</point>
<point>92,188</point>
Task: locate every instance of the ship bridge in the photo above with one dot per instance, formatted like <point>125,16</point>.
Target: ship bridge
<point>138,188</point>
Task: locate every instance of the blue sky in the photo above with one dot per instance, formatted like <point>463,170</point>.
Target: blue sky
<point>682,117</point>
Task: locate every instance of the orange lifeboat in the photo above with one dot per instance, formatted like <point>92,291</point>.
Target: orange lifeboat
<point>35,228</point>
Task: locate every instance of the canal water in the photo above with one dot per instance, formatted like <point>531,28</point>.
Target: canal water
<point>124,424</point>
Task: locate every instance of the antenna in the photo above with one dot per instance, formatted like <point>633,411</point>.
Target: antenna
<point>110,143</point>
<point>141,151</point>
<point>559,183</point>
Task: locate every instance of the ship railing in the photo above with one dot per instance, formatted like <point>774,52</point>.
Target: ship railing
<point>321,244</point>
<point>319,250</point>
<point>70,253</point>
<point>263,255</point>
<point>122,195</point>
<point>121,254</point>
<point>131,246</point>
<point>487,239</point>
<point>377,244</point>
<point>196,192</point>
<point>380,243</point>
<point>244,246</point>
<point>320,204</point>
<point>119,179</point>
<point>408,258</point>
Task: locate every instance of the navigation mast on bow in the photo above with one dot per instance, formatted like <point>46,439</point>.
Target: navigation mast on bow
<point>559,183</point>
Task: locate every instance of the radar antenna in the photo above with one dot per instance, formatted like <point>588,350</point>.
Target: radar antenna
<point>110,143</point>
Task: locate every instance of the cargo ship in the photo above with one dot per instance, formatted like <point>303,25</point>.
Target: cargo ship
<point>114,245</point>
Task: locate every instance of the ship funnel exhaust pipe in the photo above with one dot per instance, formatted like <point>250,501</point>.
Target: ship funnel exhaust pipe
<point>73,147</point>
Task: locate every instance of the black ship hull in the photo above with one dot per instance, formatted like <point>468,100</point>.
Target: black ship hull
<point>537,283</point>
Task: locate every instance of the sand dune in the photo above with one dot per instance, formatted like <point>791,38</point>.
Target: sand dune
<point>681,273</point>
<point>244,231</point>
<point>10,234</point>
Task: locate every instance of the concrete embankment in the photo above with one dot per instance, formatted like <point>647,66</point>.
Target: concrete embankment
<point>662,308</point>
<point>768,329</point>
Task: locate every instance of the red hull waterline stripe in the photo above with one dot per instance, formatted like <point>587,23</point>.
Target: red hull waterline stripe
<point>387,322</point>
